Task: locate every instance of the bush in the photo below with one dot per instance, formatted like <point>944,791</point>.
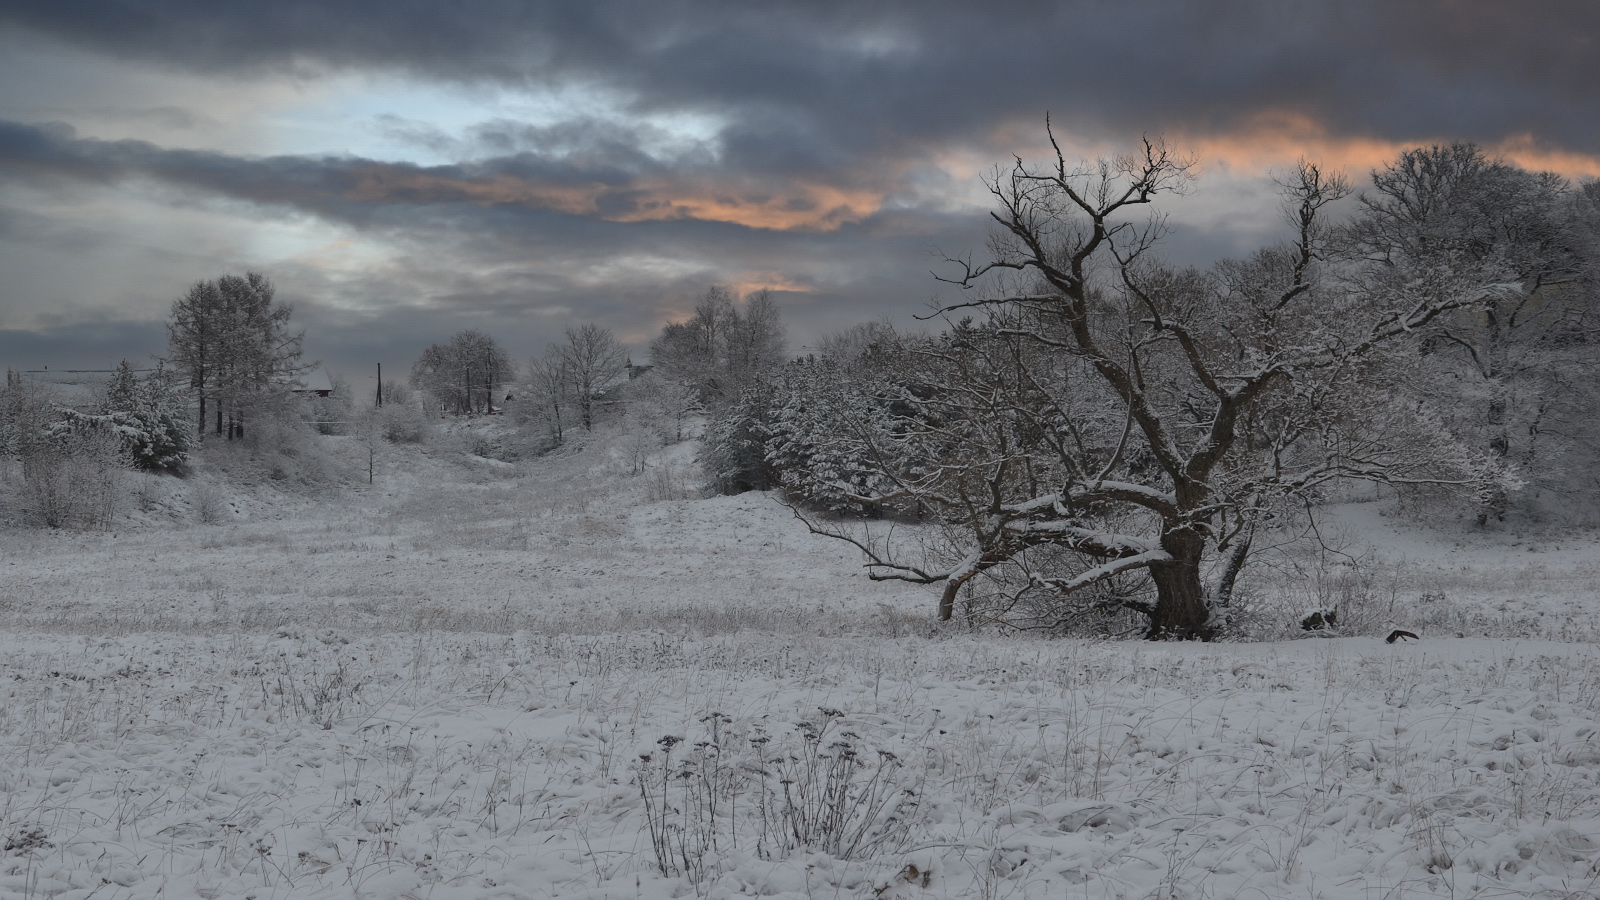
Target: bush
<point>210,506</point>
<point>71,479</point>
<point>668,480</point>
<point>405,424</point>
<point>147,416</point>
<point>61,467</point>
<point>278,443</point>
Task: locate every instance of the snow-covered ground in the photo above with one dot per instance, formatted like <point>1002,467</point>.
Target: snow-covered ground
<point>474,680</point>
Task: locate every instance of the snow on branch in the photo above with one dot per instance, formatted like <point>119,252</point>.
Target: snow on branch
<point>1103,571</point>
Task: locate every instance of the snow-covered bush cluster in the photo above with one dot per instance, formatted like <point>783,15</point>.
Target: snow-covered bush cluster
<point>62,466</point>
<point>145,414</point>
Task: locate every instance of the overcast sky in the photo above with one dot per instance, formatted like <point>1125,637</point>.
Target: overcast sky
<point>405,170</point>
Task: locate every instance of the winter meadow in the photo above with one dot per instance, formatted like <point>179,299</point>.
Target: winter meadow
<point>1111,578</point>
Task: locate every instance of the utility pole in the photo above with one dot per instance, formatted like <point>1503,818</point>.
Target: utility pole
<point>380,385</point>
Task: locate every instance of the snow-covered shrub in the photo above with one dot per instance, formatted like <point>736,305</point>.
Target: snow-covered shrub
<point>638,440</point>
<point>277,444</point>
<point>59,468</point>
<point>405,423</point>
<point>146,416</point>
<point>70,476</point>
<point>669,480</point>
<point>71,479</point>
<point>492,437</point>
<point>210,505</point>
<point>671,406</point>
<point>1335,591</point>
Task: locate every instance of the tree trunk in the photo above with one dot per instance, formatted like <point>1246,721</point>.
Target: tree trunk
<point>1230,570</point>
<point>1180,611</point>
<point>1500,436</point>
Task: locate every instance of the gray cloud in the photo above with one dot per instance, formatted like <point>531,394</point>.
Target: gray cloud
<point>826,118</point>
<point>482,245</point>
<point>838,78</point>
<point>99,345</point>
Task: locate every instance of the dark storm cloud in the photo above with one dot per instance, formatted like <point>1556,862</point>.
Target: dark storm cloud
<point>815,158</point>
<point>577,175</point>
<point>814,84</point>
<point>96,345</point>
<point>521,245</point>
<point>586,141</point>
<point>342,188</point>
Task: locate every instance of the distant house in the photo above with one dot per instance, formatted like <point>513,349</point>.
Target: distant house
<point>314,383</point>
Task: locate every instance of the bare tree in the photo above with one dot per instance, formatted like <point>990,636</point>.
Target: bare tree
<point>232,343</point>
<point>1111,421</point>
<point>720,350</point>
<point>549,392</point>
<point>754,341</point>
<point>689,351</point>
<point>665,400</point>
<point>464,373</point>
<point>593,361</point>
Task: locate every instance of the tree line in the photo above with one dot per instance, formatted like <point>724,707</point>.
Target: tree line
<point>703,363</point>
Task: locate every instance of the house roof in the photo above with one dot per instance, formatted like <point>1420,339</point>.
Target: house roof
<point>315,380</point>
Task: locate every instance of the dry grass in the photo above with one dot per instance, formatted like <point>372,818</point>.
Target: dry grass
<point>427,757</point>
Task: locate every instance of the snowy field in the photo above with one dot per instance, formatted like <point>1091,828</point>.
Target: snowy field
<point>477,681</point>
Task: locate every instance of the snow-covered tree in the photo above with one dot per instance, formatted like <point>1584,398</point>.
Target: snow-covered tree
<point>829,427</point>
<point>548,394</point>
<point>1520,362</point>
<point>145,417</point>
<point>592,361</point>
<point>465,373</point>
<point>734,450</point>
<point>1111,424</point>
<point>569,380</point>
<point>818,426</point>
<point>721,350</point>
<point>148,413</point>
<point>232,343</point>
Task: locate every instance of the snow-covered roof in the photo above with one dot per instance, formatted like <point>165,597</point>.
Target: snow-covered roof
<point>316,379</point>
